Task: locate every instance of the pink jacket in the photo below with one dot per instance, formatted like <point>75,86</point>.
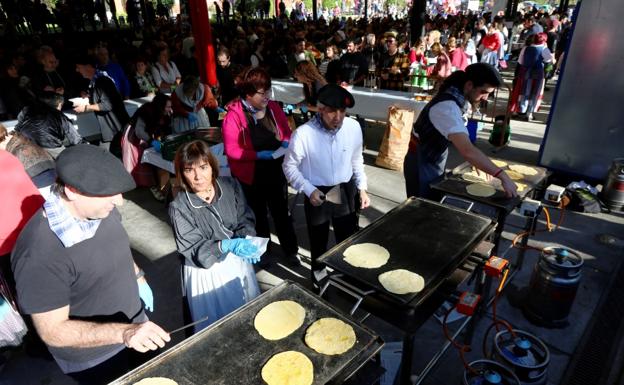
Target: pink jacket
<point>237,138</point>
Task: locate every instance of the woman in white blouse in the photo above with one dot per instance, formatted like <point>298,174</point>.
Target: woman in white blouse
<point>165,72</point>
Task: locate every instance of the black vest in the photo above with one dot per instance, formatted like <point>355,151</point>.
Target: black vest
<point>431,142</point>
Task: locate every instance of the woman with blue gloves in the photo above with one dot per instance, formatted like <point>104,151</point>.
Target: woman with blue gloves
<point>254,129</point>
<point>211,221</point>
<point>189,101</point>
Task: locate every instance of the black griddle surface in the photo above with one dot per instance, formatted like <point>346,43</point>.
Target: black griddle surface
<point>232,352</point>
<point>457,186</point>
<point>422,236</point>
<point>454,184</point>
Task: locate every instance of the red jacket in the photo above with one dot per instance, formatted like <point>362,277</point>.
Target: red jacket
<point>20,200</point>
<point>492,41</point>
<point>237,138</point>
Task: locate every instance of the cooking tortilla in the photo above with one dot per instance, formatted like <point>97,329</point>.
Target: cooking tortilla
<point>288,368</point>
<point>156,381</point>
<point>514,175</point>
<point>366,255</point>
<point>473,176</point>
<point>401,281</point>
<point>279,319</point>
<point>480,190</point>
<point>330,336</point>
<point>499,163</point>
<point>522,169</point>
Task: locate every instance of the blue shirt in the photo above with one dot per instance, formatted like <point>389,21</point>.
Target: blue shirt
<point>115,71</point>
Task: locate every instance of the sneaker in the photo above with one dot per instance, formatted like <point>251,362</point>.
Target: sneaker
<point>157,194</point>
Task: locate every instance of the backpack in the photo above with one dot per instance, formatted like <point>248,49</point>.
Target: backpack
<point>582,200</point>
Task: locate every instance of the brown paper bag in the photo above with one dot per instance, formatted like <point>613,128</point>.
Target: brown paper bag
<point>396,138</point>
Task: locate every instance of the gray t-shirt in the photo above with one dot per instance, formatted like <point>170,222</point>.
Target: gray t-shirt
<point>94,277</point>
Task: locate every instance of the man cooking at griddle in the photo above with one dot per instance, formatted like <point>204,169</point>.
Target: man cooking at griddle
<point>443,121</point>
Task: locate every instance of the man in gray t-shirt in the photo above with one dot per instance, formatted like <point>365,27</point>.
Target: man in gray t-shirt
<point>75,274</point>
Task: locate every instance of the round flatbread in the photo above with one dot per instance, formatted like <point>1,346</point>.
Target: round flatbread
<point>156,381</point>
<point>514,175</point>
<point>330,336</point>
<point>288,368</point>
<point>474,176</point>
<point>401,281</point>
<point>520,186</point>
<point>279,319</point>
<point>522,169</point>
<point>366,255</point>
<point>499,163</point>
<point>480,190</point>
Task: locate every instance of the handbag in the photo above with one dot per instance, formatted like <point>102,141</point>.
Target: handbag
<point>502,63</point>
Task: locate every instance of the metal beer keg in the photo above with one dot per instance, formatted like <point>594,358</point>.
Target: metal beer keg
<point>554,282</point>
<point>613,192</point>
<point>489,373</point>
<point>525,354</point>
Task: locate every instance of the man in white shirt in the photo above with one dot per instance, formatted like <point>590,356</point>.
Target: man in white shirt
<point>325,157</point>
<point>442,122</point>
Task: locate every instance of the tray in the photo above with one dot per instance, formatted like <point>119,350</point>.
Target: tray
<point>422,236</point>
<point>232,352</point>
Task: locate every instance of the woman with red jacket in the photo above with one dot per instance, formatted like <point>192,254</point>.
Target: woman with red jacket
<point>253,129</point>
<point>491,44</point>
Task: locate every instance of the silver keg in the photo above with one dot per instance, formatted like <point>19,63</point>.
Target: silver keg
<point>554,282</point>
<point>486,372</point>
<point>613,191</point>
<point>526,355</point>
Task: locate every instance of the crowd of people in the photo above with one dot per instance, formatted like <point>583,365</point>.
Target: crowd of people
<point>65,258</point>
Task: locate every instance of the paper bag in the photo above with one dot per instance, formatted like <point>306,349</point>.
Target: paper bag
<point>396,138</point>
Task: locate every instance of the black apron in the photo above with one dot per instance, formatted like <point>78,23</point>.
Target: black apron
<point>263,137</point>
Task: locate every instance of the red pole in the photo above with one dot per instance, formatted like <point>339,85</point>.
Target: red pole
<point>204,50</point>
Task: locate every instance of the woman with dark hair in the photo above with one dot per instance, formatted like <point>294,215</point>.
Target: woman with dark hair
<point>442,122</point>
<point>312,80</point>
<point>148,126</point>
<point>253,129</point>
<point>211,221</point>
<point>142,83</point>
<point>188,101</point>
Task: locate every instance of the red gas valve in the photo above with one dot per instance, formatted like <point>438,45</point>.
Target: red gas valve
<point>495,266</point>
<point>468,303</point>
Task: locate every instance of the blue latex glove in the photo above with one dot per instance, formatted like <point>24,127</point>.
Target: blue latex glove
<point>304,108</point>
<point>265,155</point>
<point>220,109</point>
<point>145,292</point>
<point>285,143</point>
<point>192,117</point>
<point>5,308</point>
<point>157,145</point>
<point>242,247</point>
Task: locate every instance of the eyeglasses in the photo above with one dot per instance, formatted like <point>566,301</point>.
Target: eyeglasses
<point>265,94</point>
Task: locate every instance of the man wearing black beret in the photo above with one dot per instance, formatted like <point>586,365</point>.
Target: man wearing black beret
<point>75,274</point>
<point>324,160</point>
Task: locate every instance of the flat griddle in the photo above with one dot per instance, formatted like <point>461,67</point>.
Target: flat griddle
<point>422,236</point>
<point>232,352</point>
<point>455,185</point>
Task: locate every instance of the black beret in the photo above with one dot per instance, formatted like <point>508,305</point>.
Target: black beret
<point>93,171</point>
<point>333,95</point>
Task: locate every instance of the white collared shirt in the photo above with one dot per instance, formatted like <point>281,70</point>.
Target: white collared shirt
<point>319,157</point>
